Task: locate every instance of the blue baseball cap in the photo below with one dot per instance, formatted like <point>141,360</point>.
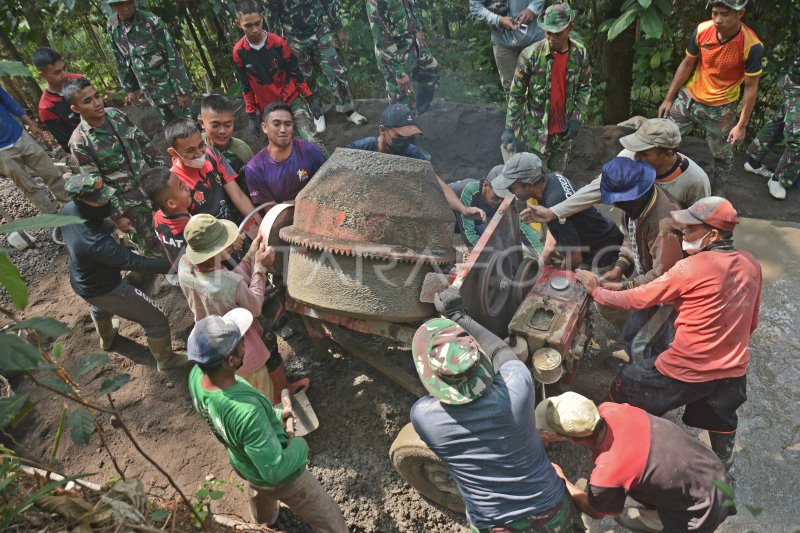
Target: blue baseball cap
<point>624,180</point>
<point>215,337</point>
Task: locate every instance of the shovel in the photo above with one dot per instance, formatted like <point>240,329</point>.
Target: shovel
<point>304,419</point>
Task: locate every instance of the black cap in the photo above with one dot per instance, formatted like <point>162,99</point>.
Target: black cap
<point>400,118</point>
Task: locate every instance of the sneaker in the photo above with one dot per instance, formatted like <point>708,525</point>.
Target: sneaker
<point>57,237</point>
<point>758,171</point>
<point>319,123</point>
<point>776,190</point>
<point>356,118</point>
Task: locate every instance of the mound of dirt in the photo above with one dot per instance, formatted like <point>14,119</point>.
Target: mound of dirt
<point>360,411</point>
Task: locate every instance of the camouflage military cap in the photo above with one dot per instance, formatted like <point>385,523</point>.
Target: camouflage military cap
<point>450,364</point>
<point>556,17</point>
<point>82,187</point>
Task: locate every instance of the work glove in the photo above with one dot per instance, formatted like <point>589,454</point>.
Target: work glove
<point>254,123</point>
<point>571,129</point>
<point>315,108</point>
<point>508,140</point>
<point>448,302</point>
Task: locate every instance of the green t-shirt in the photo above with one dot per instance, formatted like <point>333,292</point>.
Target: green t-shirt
<point>251,429</point>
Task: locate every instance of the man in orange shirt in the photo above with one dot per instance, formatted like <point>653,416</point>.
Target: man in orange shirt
<point>717,295</point>
<point>726,53</point>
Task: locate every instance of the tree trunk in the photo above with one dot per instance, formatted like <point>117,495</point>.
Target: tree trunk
<point>34,18</point>
<point>617,68</point>
<point>24,90</point>
<point>102,52</point>
<point>200,49</point>
<point>444,18</point>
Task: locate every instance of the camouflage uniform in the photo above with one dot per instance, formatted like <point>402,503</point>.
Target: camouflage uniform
<point>784,124</point>
<point>717,122</point>
<point>529,100</point>
<point>394,27</point>
<point>238,153</point>
<point>310,38</point>
<point>118,158</point>
<point>563,518</point>
<point>148,59</point>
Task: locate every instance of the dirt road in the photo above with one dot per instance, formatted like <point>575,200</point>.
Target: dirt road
<point>361,412</point>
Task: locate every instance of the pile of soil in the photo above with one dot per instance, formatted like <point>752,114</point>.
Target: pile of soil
<point>360,411</point>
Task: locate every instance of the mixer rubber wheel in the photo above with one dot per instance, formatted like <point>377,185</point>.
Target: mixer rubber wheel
<point>424,471</point>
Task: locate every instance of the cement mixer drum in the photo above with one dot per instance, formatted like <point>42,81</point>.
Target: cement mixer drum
<point>367,228</point>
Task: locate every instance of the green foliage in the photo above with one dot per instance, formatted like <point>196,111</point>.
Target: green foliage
<point>19,355</point>
<point>49,327</point>
<point>11,279</point>
<point>730,498</point>
<point>204,31</point>
<point>649,14</point>
<point>14,68</point>
<point>158,515</point>
<point>12,500</point>
<point>90,362</point>
<point>10,408</point>
<point>114,384</point>
<point>39,222</point>
<point>55,383</point>
<point>210,491</point>
<point>81,425</point>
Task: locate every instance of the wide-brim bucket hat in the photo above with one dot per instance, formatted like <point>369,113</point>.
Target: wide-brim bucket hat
<point>450,364</point>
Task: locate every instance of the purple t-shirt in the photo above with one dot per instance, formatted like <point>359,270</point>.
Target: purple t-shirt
<point>270,181</point>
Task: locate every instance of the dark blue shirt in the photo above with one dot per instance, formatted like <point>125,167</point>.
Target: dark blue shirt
<point>370,144</point>
<point>491,445</point>
<point>590,230</point>
<point>10,128</point>
<point>96,259</point>
<point>493,450</point>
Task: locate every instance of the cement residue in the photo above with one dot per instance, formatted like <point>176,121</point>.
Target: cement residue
<point>358,287</point>
<point>360,418</point>
<point>377,199</point>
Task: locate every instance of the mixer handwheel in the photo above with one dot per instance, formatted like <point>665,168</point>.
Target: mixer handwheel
<point>497,280</point>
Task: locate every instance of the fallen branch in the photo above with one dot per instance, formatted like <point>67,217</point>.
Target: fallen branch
<point>152,461</point>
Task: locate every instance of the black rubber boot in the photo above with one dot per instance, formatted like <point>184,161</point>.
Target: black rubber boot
<point>723,444</point>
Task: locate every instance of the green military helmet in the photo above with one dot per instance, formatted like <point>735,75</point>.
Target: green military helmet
<point>556,18</point>
<point>736,5</point>
<point>450,364</point>
<point>82,187</point>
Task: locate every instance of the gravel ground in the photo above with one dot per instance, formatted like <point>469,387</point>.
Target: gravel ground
<point>35,262</point>
<point>360,411</point>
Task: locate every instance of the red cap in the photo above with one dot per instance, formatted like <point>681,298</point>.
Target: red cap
<point>713,211</point>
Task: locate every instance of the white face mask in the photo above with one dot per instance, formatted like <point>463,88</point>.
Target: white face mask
<point>692,247</point>
<point>194,163</point>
